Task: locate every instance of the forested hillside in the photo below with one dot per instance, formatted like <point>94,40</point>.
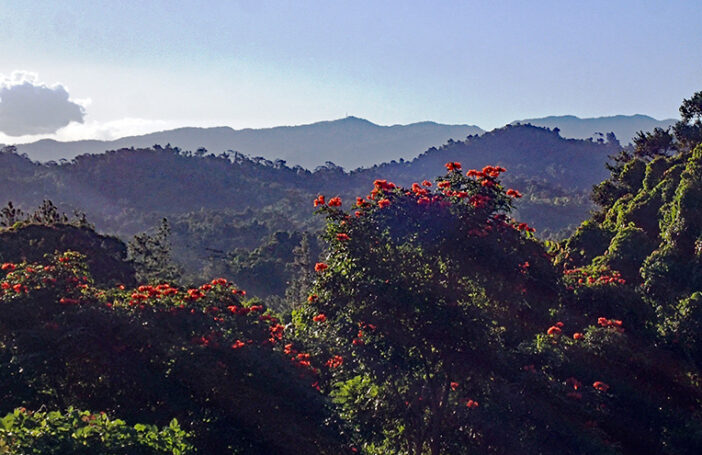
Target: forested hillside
<point>221,208</point>
<point>436,322</point>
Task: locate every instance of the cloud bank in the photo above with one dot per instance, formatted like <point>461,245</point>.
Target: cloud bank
<point>29,107</point>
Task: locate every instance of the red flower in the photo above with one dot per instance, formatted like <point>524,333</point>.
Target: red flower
<point>514,193</point>
<point>335,362</point>
<point>312,298</point>
<point>320,318</point>
<point>8,266</point>
<point>601,386</point>
<point>383,203</point>
<point>426,183</point>
<point>472,404</point>
<point>453,166</point>
<point>335,202</point>
<point>554,330</point>
<point>454,385</point>
<point>577,336</point>
<point>342,237</point>
<point>238,344</point>
<point>319,200</point>
<point>574,383</point>
<point>320,267</point>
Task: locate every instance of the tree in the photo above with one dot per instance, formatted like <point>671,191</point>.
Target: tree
<point>151,255</point>
<point>422,298</point>
<point>688,130</point>
<point>652,144</point>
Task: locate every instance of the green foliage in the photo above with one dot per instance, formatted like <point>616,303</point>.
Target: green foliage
<point>589,241</point>
<point>106,256</point>
<point>82,432</point>
<point>204,355</point>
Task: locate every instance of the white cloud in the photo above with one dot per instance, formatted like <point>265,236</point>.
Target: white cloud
<point>31,107</point>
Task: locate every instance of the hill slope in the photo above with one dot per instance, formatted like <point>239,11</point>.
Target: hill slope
<point>220,203</point>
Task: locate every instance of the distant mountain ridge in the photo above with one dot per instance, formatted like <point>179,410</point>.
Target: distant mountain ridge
<point>350,142</point>
<point>624,127</point>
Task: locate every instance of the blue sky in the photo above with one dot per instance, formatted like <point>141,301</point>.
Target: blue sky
<point>137,66</point>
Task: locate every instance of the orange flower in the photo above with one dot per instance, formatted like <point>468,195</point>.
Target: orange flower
<point>383,203</point>
<point>320,267</point>
<point>577,336</point>
<point>335,202</point>
<point>319,318</point>
<point>426,183</point>
<point>319,200</point>
<point>312,298</point>
<point>514,193</point>
<point>453,166</point>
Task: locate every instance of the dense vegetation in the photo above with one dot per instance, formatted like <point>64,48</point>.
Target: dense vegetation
<point>234,216</point>
<point>434,323</point>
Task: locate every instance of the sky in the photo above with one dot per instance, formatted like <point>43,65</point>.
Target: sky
<point>105,69</point>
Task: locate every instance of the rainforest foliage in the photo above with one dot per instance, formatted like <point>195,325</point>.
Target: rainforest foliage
<point>433,322</point>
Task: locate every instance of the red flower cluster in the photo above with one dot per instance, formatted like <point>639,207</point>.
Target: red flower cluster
<point>614,324</point>
<point>383,203</point>
<point>524,227</point>
<point>8,266</point>
<point>335,362</point>
<point>472,404</point>
<point>320,267</point>
<point>453,166</point>
<point>384,185</point>
<point>585,278</point>
<point>601,386</point>
<point>320,318</point>
<point>342,237</point>
<point>419,190</point>
<point>555,329</point>
<point>319,201</point>
<point>514,193</point>
<point>335,202</point>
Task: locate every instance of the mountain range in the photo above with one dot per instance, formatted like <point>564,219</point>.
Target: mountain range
<point>624,127</point>
<point>350,142</point>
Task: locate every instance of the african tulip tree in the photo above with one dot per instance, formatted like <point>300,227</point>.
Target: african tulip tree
<point>424,292</point>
